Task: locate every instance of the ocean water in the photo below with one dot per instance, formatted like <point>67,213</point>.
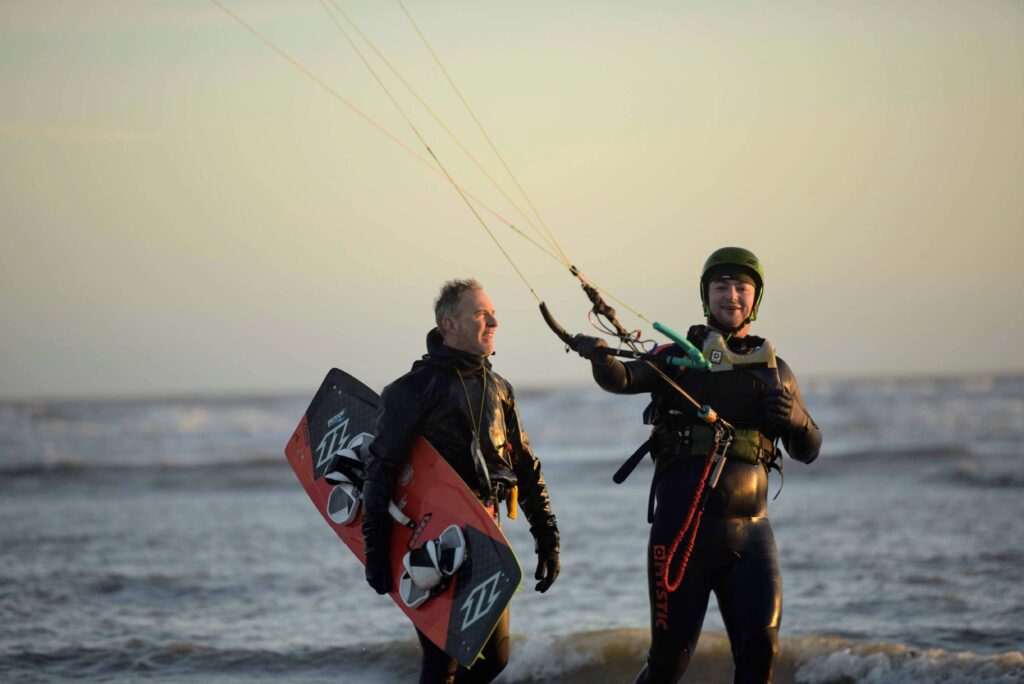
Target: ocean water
<point>167,539</point>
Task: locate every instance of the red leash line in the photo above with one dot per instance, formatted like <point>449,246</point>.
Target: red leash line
<point>688,528</point>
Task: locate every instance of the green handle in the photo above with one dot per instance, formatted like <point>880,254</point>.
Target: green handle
<point>694,357</point>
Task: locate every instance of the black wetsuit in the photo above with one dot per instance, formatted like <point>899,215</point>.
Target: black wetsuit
<point>734,553</point>
<point>431,400</point>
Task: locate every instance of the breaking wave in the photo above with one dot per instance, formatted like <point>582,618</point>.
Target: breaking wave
<point>592,657</point>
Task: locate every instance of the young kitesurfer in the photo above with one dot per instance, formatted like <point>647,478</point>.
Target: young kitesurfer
<point>468,413</point>
<point>733,553</point>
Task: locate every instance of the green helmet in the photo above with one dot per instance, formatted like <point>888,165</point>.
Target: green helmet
<point>745,260</point>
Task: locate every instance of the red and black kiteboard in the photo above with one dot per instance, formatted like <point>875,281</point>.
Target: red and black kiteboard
<point>460,618</point>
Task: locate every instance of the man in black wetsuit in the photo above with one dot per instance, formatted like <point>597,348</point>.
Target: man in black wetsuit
<point>734,550</point>
<point>468,413</point>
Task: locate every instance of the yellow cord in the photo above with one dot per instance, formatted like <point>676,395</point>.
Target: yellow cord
<point>475,423</point>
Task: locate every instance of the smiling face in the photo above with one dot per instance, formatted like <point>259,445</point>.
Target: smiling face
<point>471,327</point>
<point>730,303</point>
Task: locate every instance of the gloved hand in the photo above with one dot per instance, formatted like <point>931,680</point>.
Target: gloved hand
<point>781,410</point>
<point>547,570</point>
<point>587,347</point>
<point>547,562</point>
<point>378,571</point>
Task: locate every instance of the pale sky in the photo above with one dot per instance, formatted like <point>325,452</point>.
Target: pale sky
<point>182,210</point>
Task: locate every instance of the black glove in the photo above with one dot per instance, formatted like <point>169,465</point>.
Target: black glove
<point>547,570</point>
<point>781,410</point>
<point>547,561</point>
<point>378,571</point>
<point>587,347</point>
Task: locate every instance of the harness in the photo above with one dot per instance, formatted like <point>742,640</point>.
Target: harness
<point>694,441</point>
<point>504,491</point>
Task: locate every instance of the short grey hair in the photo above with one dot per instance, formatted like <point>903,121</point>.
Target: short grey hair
<point>448,299</point>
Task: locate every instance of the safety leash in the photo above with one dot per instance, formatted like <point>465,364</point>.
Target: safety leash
<point>708,481</point>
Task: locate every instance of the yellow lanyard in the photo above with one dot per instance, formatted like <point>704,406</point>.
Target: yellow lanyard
<point>475,422</point>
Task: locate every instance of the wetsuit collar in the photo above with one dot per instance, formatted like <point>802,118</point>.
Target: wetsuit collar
<point>441,354</point>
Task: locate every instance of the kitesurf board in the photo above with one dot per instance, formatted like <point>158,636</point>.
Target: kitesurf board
<point>462,617</point>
